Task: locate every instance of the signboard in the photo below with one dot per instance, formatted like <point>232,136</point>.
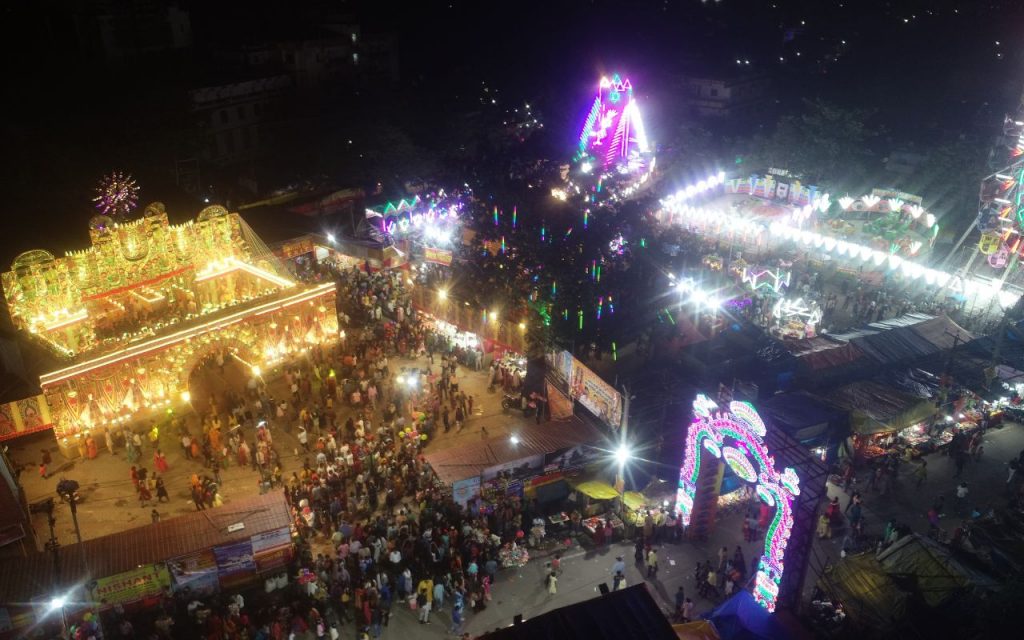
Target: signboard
<point>197,571</point>
<point>293,249</point>
<point>465,490</point>
<point>131,586</point>
<point>437,256</point>
<point>908,198</point>
<point>235,563</point>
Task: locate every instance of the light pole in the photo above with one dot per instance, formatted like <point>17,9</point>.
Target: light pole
<point>58,602</point>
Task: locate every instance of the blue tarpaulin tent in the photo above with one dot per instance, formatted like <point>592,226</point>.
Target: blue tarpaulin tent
<point>742,618</point>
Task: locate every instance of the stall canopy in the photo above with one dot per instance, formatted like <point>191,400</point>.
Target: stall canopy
<point>470,460</point>
<point>823,352</point>
<point>699,630</point>
<point>804,416</point>
<point>931,569</point>
<point>906,339</point>
<point>876,408</point>
<point>627,614</point>
<point>742,618</point>
<point>869,595</point>
<point>597,490</point>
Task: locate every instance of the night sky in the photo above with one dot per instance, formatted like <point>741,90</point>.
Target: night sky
<point>931,70</point>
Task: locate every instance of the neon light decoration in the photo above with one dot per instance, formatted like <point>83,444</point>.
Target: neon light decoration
<point>613,129</point>
<point>748,456</point>
<point>774,279</point>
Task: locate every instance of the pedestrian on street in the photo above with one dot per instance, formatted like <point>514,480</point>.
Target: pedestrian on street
<point>456,620</point>
<point>618,581</point>
<point>552,583</point>
<point>619,566</point>
<point>921,473</point>
<point>961,462</point>
<point>961,498</point>
<point>652,563</point>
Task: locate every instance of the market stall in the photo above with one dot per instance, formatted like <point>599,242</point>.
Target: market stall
<point>598,510</point>
<point>878,413</point>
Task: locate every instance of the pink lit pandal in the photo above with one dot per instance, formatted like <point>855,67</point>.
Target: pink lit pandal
<point>742,427</point>
<point>613,126</point>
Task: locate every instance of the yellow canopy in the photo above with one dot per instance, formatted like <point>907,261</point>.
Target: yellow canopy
<point>633,499</point>
<point>699,630</point>
<point>597,490</point>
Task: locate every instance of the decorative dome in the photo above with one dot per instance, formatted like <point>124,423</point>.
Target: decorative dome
<point>211,212</point>
<point>32,258</point>
<point>101,225</point>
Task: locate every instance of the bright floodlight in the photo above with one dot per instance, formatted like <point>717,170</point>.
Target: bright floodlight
<point>58,602</point>
<point>623,454</point>
<point>586,167</point>
<point>514,439</point>
<point>442,294</point>
<point>330,238</point>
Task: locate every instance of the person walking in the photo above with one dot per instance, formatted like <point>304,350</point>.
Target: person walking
<point>961,498</point>
<point>423,603</point>
<point>552,583</point>
<point>456,620</point>
<point>652,563</point>
<point>618,581</point>
<point>921,473</point>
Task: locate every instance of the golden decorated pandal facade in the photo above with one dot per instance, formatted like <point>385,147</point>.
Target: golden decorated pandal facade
<point>130,317</point>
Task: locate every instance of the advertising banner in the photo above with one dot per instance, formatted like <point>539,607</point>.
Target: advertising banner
<point>271,549</point>
<point>235,563</point>
<point>465,490</point>
<point>131,586</point>
<point>197,571</point>
<point>437,256</point>
<point>586,387</point>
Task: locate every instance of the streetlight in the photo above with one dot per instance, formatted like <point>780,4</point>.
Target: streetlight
<point>186,397</point>
<point>330,238</point>
<point>57,603</point>
<point>442,294</point>
<point>623,455</point>
<point>514,439</point>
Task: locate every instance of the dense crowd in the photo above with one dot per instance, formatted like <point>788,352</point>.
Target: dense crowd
<point>375,530</point>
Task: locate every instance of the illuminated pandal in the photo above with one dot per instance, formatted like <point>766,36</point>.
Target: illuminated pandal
<point>742,427</point>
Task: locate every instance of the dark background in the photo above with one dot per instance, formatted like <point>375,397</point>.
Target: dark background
<point>929,73</point>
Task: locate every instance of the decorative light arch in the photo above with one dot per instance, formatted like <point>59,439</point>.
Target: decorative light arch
<point>736,435</point>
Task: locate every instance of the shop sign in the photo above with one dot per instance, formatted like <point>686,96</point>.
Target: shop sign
<point>293,249</point>
<point>132,586</point>
<point>437,256</point>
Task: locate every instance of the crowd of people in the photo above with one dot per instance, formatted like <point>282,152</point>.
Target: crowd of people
<point>375,529</point>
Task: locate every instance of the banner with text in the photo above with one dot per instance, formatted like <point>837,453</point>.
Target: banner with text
<point>131,586</point>
<point>437,256</point>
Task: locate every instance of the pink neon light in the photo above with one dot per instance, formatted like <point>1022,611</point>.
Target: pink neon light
<point>744,426</point>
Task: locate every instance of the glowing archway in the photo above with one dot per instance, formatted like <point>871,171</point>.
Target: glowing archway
<point>735,435</point>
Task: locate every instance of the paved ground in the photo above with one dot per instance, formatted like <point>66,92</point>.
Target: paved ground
<point>109,501</point>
